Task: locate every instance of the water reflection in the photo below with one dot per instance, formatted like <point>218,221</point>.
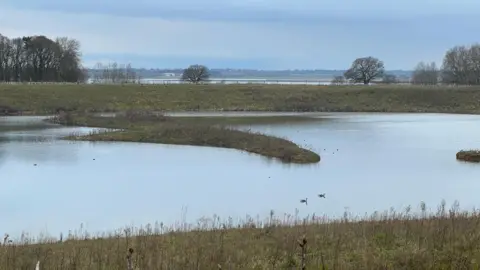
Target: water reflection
<point>31,140</point>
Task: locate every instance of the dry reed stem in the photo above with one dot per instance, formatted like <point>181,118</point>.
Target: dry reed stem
<point>129,259</point>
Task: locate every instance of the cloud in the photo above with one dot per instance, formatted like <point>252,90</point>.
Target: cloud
<point>254,33</point>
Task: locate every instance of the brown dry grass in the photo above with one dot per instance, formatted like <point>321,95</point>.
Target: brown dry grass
<point>448,239</point>
<point>43,99</point>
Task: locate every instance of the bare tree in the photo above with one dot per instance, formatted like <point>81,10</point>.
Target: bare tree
<point>461,65</point>
<point>338,80</point>
<point>389,79</point>
<point>195,74</point>
<point>426,74</point>
<point>114,73</point>
<point>69,53</point>
<point>364,70</point>
<point>5,50</point>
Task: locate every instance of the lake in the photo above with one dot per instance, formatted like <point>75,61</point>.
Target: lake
<point>383,161</point>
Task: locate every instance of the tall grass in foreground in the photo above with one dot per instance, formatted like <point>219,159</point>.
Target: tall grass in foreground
<point>447,239</point>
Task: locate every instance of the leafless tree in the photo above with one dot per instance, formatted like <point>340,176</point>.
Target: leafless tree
<point>114,73</point>
<point>196,74</point>
<point>5,51</point>
<point>461,65</point>
<point>364,70</point>
<point>426,74</point>
<point>38,58</point>
<point>389,79</point>
<point>338,80</point>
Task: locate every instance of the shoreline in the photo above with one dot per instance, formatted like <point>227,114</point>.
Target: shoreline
<point>225,113</point>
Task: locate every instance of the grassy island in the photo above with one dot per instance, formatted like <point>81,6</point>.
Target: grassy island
<point>469,155</point>
<point>144,126</point>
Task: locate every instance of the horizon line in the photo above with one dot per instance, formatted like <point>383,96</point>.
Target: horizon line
<point>251,69</point>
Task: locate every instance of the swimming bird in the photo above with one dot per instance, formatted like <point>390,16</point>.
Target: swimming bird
<point>304,201</point>
<point>321,195</point>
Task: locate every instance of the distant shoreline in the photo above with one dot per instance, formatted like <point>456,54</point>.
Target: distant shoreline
<point>284,81</point>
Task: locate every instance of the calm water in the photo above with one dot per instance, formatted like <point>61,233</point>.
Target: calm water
<point>383,161</point>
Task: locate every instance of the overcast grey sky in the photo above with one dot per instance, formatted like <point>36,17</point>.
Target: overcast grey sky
<point>266,34</point>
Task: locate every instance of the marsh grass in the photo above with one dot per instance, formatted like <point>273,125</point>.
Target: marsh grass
<point>45,99</point>
<point>469,155</point>
<point>144,126</point>
<point>26,127</point>
<point>447,239</point>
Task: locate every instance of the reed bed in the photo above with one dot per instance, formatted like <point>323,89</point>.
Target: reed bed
<point>445,239</point>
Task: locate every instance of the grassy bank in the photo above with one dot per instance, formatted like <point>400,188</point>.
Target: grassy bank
<point>469,155</point>
<point>449,239</point>
<point>42,99</point>
<point>202,131</point>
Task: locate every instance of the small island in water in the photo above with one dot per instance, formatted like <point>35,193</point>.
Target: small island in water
<point>151,127</point>
<point>469,155</point>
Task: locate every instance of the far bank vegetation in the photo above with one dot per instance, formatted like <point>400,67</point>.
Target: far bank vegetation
<point>461,66</point>
<point>42,59</point>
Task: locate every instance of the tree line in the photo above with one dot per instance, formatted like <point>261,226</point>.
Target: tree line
<point>114,73</point>
<point>461,66</point>
<point>40,59</point>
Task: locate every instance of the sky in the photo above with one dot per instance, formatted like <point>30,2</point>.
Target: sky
<point>259,34</point>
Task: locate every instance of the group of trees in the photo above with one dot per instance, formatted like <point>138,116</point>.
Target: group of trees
<point>38,58</point>
<point>114,73</point>
<point>461,66</point>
